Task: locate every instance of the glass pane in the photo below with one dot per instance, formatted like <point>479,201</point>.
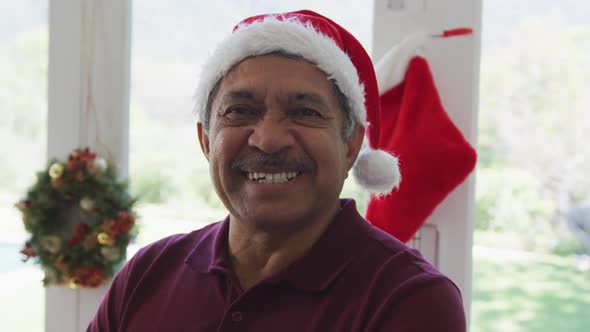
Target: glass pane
<point>532,237</point>
<point>23,105</point>
<point>170,41</point>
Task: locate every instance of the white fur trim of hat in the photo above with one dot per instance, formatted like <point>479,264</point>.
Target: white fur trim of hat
<point>292,37</point>
<point>375,170</point>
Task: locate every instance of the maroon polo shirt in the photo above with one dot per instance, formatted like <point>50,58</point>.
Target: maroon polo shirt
<point>354,278</point>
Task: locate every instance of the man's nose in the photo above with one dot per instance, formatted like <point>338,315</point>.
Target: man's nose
<point>271,134</point>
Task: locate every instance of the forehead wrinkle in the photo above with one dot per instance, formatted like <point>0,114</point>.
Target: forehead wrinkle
<point>314,98</point>
<point>238,94</point>
<point>243,93</point>
<point>291,98</point>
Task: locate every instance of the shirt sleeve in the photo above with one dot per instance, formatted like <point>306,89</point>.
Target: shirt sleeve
<point>110,310</point>
<point>435,305</point>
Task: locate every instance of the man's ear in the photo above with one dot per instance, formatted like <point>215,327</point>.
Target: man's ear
<point>355,142</point>
<point>203,140</point>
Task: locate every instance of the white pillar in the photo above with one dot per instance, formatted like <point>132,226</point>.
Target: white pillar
<point>88,99</point>
<point>448,234</point>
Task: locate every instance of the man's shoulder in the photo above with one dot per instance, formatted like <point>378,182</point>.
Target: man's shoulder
<point>403,284</point>
<point>406,288</point>
<point>393,260</point>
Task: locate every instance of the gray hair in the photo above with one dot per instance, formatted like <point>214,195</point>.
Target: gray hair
<point>348,123</point>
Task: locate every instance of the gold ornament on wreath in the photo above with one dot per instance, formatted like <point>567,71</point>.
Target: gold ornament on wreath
<point>80,219</point>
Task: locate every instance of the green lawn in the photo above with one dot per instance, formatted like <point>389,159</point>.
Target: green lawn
<point>515,291</point>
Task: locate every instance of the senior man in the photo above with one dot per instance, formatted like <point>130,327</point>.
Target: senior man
<point>283,104</point>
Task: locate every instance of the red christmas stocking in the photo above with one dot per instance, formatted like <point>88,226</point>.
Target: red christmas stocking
<point>434,157</point>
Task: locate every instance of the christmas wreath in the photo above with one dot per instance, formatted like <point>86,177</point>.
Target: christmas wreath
<point>80,219</point>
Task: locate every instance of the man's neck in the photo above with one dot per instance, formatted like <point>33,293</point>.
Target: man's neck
<point>257,254</point>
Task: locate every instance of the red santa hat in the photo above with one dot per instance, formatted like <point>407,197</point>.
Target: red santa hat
<point>333,50</point>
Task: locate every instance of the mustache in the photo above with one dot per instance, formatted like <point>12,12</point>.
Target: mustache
<point>272,161</point>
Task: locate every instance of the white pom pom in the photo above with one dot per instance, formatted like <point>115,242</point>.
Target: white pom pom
<point>377,171</point>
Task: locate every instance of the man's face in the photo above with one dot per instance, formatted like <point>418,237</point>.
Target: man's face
<point>276,153</point>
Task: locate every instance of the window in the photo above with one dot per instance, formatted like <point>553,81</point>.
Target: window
<point>532,239</point>
<point>23,101</point>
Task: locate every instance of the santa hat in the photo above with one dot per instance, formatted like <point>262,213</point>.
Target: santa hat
<point>333,50</point>
<point>434,156</point>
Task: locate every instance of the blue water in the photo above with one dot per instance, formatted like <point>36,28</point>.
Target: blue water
<point>10,257</point>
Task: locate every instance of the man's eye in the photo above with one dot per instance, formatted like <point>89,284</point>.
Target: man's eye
<point>308,112</point>
<point>239,111</point>
<point>238,115</point>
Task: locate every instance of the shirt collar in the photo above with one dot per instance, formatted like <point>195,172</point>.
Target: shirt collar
<point>314,271</point>
<point>210,253</point>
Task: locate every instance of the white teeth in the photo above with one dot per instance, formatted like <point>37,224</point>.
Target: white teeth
<point>281,177</point>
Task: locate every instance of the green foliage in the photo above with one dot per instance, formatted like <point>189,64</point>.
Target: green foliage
<point>150,185</point>
<point>533,99</point>
<point>23,77</point>
<point>23,104</point>
<point>511,200</point>
<point>202,188</point>
<point>567,246</point>
<point>532,127</point>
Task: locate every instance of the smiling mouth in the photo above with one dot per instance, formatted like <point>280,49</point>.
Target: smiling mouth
<point>271,178</point>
